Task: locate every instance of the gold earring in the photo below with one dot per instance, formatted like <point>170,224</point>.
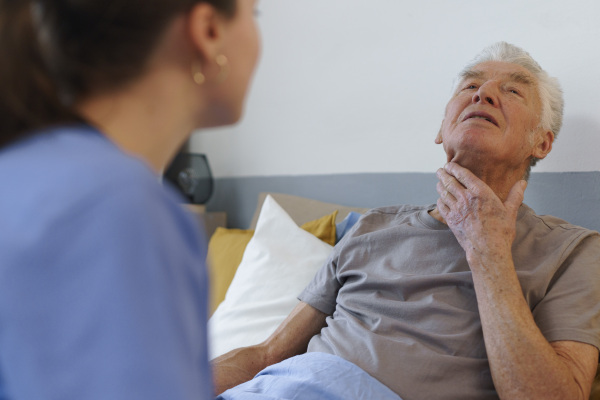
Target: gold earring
<point>223,64</point>
<point>197,74</point>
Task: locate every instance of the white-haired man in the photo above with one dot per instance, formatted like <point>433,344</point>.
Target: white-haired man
<point>475,297</point>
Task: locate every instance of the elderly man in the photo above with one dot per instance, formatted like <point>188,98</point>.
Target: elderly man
<point>476,297</point>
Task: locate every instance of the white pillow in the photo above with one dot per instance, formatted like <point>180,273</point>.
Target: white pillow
<point>279,261</point>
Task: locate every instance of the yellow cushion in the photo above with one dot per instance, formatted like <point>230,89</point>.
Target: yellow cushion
<point>323,228</point>
<point>226,249</point>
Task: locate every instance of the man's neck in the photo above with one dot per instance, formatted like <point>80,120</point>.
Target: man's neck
<point>500,177</point>
<point>501,182</point>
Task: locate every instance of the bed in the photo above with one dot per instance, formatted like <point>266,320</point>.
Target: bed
<point>255,272</point>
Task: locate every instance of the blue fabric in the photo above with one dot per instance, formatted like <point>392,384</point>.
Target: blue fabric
<point>311,376</point>
<point>103,288</point>
<point>343,227</point>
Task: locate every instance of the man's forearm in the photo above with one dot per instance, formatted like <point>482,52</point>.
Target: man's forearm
<point>289,339</point>
<point>523,364</point>
<point>238,366</point>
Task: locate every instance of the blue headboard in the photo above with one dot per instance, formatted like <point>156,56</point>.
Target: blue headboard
<point>572,196</point>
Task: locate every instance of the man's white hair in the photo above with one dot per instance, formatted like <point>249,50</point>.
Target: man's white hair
<point>550,92</point>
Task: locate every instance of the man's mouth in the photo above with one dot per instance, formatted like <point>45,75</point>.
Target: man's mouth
<point>481,115</point>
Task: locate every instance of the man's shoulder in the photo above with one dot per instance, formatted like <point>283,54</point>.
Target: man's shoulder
<point>529,219</point>
<point>547,232</point>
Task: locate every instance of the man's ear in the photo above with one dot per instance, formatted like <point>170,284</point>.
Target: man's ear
<point>543,144</point>
<point>206,30</point>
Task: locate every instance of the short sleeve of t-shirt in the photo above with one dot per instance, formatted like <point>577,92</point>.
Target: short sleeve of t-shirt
<point>570,310</point>
<point>321,292</point>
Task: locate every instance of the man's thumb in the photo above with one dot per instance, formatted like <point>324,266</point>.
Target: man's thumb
<point>516,195</point>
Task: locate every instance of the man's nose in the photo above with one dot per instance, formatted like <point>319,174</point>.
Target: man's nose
<point>486,94</point>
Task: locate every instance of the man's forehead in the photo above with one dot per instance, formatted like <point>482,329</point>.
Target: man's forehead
<point>495,69</point>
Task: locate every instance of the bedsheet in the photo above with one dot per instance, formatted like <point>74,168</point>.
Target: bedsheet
<point>311,376</point>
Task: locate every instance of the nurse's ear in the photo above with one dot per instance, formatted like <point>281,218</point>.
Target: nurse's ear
<point>206,28</point>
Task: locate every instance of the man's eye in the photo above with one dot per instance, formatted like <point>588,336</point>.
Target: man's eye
<point>471,86</point>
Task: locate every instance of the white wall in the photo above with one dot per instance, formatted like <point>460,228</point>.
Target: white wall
<point>348,86</point>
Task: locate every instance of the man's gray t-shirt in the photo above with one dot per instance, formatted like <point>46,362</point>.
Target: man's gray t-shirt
<point>402,304</point>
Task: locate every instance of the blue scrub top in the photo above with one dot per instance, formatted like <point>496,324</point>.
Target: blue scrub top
<point>103,287</point>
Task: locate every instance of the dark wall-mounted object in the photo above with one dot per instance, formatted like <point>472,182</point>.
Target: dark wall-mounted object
<point>190,173</point>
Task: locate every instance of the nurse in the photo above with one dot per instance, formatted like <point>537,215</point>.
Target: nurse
<point>103,288</point>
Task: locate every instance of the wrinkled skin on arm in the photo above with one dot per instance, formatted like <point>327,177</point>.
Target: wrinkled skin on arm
<point>523,363</point>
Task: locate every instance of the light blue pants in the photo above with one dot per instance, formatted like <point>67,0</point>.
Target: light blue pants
<point>311,376</point>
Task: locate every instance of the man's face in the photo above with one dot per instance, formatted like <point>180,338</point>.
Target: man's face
<point>492,117</point>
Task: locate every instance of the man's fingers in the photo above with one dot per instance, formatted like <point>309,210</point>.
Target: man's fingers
<point>442,208</point>
<point>445,195</point>
<point>449,184</point>
<point>462,175</point>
